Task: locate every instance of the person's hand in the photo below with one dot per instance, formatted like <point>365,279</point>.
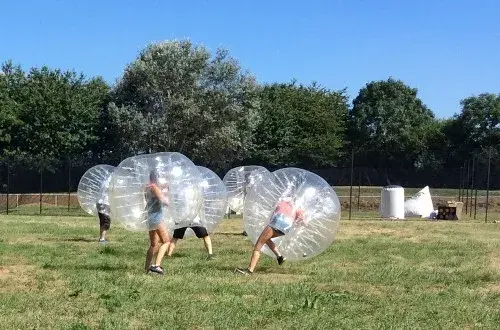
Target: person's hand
<point>300,218</point>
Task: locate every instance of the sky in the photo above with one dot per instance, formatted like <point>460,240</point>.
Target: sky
<point>446,49</point>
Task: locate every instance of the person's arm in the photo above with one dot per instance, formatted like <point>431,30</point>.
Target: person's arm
<point>157,192</point>
<point>299,217</point>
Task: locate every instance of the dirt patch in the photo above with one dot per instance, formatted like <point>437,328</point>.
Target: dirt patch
<point>494,287</point>
<point>494,259</point>
<point>202,297</point>
<point>434,288</point>
<point>349,232</point>
<point>17,278</point>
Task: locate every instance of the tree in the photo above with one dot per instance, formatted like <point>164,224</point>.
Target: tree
<point>389,124</point>
<point>300,126</point>
<point>181,99</point>
<point>479,121</point>
<point>11,78</point>
<point>59,111</point>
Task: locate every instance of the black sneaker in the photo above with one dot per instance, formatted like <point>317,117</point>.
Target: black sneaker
<point>281,260</point>
<point>211,257</point>
<point>243,271</point>
<point>157,270</point>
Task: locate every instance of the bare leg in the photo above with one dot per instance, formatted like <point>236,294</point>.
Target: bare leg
<point>265,236</point>
<point>102,235</point>
<point>153,248</point>
<point>273,248</point>
<point>208,244</point>
<point>171,247</point>
<point>165,239</point>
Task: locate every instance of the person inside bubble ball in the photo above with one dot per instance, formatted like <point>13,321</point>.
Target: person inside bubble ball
<point>102,206</point>
<point>103,211</point>
<point>245,192</point>
<point>285,215</point>
<point>199,231</point>
<point>156,201</point>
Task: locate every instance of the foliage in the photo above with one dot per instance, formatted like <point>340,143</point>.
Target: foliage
<point>184,100</point>
<point>11,79</point>
<point>178,96</point>
<point>301,125</point>
<point>59,115</point>
<point>389,124</point>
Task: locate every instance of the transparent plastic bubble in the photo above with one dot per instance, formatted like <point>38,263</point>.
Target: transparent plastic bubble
<point>214,204</point>
<point>93,189</point>
<point>239,181</point>
<point>311,196</point>
<point>132,198</point>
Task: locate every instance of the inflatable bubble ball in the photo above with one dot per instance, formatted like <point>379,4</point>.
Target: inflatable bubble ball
<point>93,189</point>
<point>214,204</point>
<point>239,181</point>
<point>149,189</point>
<point>313,203</point>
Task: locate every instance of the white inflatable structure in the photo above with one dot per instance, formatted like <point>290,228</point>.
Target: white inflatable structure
<point>419,205</point>
<point>392,203</point>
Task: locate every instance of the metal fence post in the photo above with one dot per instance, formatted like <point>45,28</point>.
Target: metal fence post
<point>488,186</point>
<point>69,182</point>
<point>8,185</point>
<point>350,189</point>
<point>41,189</point>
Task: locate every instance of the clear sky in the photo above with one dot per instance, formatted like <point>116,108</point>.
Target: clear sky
<point>447,49</point>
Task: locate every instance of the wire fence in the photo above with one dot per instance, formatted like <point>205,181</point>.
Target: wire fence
<point>476,183</point>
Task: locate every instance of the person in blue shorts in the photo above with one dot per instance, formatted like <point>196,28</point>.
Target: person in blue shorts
<point>156,201</point>
<point>285,215</point>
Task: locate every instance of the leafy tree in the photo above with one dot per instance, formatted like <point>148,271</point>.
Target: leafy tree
<point>389,124</point>
<point>479,121</point>
<point>300,126</point>
<point>182,99</point>
<point>11,78</point>
<point>59,111</point>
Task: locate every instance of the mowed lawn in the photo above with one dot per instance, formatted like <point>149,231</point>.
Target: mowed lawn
<point>377,275</point>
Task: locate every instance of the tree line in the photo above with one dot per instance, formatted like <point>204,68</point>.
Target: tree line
<point>177,96</point>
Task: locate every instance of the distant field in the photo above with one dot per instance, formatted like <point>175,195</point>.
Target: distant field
<point>376,191</point>
<point>377,275</point>
<point>369,200</point>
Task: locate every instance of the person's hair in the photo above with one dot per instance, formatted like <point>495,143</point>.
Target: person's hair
<point>153,176</point>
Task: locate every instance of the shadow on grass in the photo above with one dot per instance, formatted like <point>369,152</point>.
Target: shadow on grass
<point>105,267</point>
<point>70,239</point>
<point>229,234</point>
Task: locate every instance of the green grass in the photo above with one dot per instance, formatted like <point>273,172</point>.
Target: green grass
<point>378,274</point>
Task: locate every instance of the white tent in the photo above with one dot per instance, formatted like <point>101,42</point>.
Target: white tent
<point>419,205</point>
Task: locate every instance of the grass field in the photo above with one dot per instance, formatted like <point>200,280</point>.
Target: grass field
<point>377,275</point>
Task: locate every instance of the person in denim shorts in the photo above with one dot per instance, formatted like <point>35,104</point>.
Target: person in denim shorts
<point>156,200</point>
<point>282,221</point>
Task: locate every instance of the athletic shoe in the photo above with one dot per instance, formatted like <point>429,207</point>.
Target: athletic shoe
<point>281,260</point>
<point>243,271</point>
<point>157,269</point>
